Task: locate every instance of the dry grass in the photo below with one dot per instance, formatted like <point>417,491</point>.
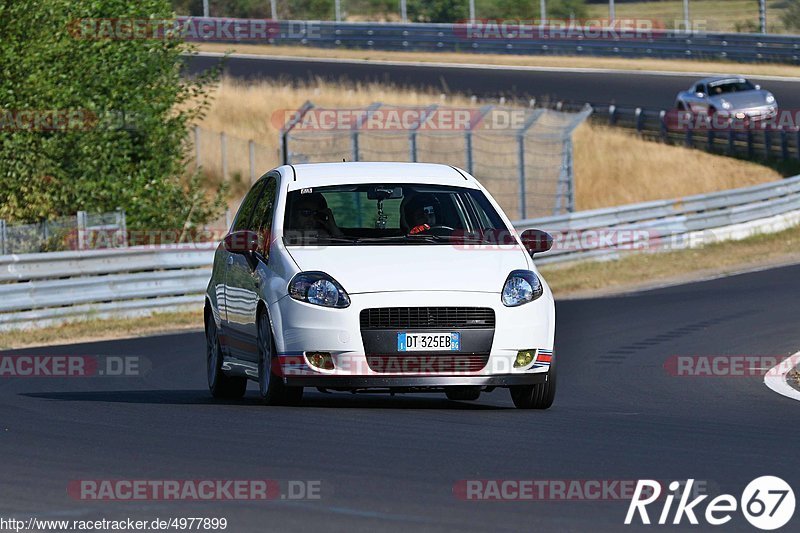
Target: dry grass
<point>665,65</point>
<point>709,15</point>
<point>100,329</point>
<point>612,167</point>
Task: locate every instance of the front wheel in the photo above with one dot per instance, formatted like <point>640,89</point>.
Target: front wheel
<point>220,384</point>
<point>539,396</point>
<point>270,386</point>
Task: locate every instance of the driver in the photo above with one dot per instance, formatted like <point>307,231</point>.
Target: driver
<point>420,213</point>
<point>311,213</point>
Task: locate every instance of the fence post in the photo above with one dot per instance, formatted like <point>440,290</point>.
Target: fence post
<point>638,114</point>
<point>612,115</point>
<point>252,150</point>
<point>354,145</point>
<point>523,207</point>
<point>3,237</point>
<point>82,222</point>
<point>662,124</point>
<point>197,146</point>
<point>521,163</point>
<point>223,146</point>
<point>123,227</point>
<point>354,136</point>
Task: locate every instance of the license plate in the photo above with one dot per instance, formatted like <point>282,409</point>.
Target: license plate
<point>429,342</point>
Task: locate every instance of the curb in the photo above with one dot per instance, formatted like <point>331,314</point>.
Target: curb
<point>776,377</point>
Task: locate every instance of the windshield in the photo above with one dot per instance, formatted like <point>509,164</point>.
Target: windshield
<point>391,214</point>
<point>731,87</point>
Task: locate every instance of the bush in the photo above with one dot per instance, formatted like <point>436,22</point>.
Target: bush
<point>791,16</point>
<point>134,158</point>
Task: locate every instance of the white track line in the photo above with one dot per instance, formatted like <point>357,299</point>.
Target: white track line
<point>776,378</point>
<point>486,66</point>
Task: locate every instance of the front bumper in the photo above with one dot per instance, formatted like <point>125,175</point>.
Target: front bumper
<point>302,328</point>
<point>428,382</point>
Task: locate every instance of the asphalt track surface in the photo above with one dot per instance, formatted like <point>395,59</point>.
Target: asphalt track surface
<point>629,89</point>
<point>390,463</point>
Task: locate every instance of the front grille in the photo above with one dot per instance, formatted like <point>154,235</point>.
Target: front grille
<point>427,318</point>
<point>427,364</point>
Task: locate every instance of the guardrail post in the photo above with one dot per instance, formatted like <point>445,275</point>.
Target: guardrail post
<point>797,143</point>
<point>251,148</point>
<point>612,115</point>
<point>767,143</point>
<point>3,237</point>
<point>82,223</point>
<point>689,141</point>
<point>710,137</point>
<point>731,141</point>
<point>750,148</point>
<point>784,145</point>
<point>638,116</point>
<point>662,124</point>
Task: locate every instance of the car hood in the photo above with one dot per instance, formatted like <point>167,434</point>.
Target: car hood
<point>385,268</point>
<point>742,100</point>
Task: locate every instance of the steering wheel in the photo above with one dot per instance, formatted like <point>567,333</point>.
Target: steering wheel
<point>440,230</point>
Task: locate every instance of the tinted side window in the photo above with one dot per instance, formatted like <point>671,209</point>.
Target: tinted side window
<point>246,210</point>
<point>262,217</point>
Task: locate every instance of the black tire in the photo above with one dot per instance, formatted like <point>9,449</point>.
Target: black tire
<point>538,396</point>
<point>270,385</point>
<point>220,384</point>
<point>463,394</point>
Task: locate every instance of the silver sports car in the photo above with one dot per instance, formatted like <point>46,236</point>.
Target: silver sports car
<point>732,97</point>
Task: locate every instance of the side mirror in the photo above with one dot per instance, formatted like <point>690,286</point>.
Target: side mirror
<point>243,241</point>
<point>536,241</point>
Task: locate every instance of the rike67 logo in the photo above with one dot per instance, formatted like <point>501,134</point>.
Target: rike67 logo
<point>767,503</point>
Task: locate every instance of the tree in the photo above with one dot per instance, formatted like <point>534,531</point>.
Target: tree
<point>124,143</point>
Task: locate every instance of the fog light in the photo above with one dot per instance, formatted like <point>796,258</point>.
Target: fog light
<point>321,360</point>
<point>524,358</point>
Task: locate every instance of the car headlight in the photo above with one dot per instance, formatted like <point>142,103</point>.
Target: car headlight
<point>318,288</point>
<point>770,99</point>
<point>521,287</point>
<point>726,105</point>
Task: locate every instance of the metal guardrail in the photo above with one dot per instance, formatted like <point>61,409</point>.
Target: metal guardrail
<point>58,286</point>
<point>46,288</point>
<point>666,225</point>
<point>518,40</point>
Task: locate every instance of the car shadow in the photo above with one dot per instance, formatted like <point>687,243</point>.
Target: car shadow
<point>310,400</point>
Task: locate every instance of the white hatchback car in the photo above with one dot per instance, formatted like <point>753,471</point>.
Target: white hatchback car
<point>402,277</point>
